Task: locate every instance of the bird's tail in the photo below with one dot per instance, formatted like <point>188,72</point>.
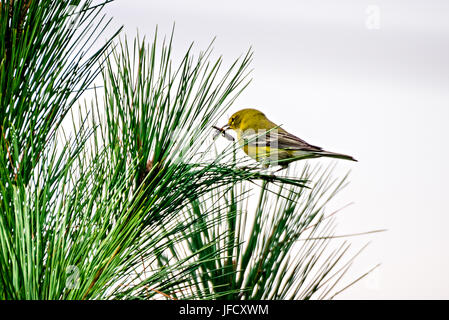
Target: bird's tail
<point>335,155</point>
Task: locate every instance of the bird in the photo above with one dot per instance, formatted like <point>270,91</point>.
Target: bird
<point>269,144</point>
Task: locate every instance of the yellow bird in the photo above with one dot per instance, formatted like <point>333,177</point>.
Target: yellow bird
<point>269,144</point>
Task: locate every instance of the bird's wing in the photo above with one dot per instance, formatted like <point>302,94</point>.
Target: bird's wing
<point>280,139</point>
<point>288,141</point>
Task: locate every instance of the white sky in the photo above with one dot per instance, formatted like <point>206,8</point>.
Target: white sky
<point>380,95</point>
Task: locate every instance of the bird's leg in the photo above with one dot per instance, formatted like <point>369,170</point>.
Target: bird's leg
<point>265,169</point>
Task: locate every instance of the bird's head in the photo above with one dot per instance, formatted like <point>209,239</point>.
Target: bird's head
<point>238,119</point>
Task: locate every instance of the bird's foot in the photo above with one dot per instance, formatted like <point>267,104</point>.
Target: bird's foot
<point>281,168</point>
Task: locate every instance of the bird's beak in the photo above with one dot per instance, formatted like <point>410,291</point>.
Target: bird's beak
<point>222,131</point>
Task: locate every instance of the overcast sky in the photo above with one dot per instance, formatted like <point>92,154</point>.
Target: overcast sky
<point>366,78</point>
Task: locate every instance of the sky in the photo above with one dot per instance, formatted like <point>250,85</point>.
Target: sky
<point>366,78</point>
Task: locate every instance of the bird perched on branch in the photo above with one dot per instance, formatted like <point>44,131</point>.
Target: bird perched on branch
<point>269,144</point>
